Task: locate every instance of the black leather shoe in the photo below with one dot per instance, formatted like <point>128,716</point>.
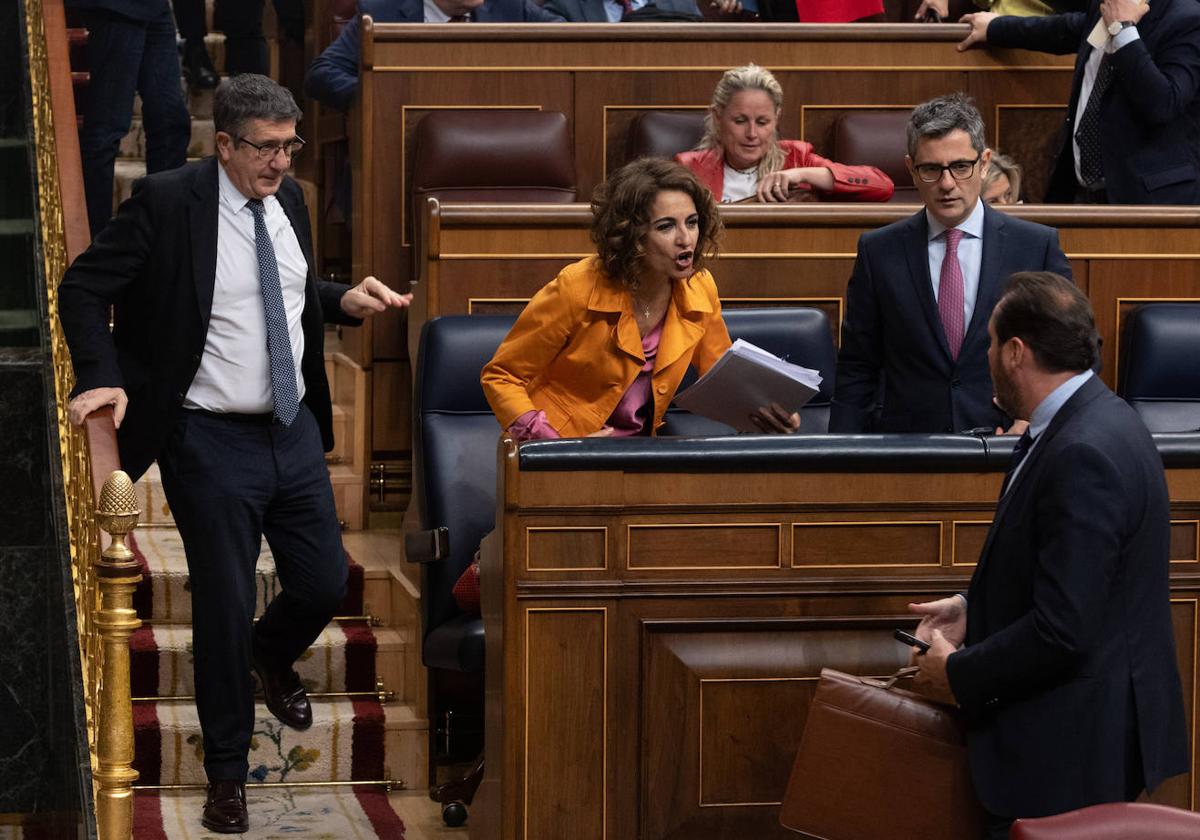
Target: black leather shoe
<point>197,67</point>
<point>225,808</point>
<point>284,694</point>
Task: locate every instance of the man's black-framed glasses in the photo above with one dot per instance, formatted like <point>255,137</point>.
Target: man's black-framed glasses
<point>267,151</point>
<point>960,170</point>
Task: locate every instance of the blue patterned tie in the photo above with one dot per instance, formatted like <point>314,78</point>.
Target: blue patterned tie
<point>1018,455</point>
<point>279,344</point>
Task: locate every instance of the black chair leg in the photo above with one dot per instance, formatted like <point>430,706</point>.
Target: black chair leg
<point>457,794</point>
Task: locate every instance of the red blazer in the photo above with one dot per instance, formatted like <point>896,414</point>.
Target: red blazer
<point>836,11</point>
<point>855,183</point>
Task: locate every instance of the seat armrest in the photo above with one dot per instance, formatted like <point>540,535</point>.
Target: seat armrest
<point>427,546</point>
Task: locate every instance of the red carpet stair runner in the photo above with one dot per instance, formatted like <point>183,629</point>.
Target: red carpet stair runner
<point>348,740</point>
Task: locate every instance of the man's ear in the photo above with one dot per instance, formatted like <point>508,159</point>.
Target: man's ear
<point>1015,352</point>
<point>985,161</point>
<point>224,145</point>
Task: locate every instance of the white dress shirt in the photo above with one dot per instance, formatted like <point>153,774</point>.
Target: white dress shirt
<point>235,373</point>
<point>1127,35</point>
<point>970,257</point>
<point>615,11</point>
<point>433,14</point>
<point>738,184</point>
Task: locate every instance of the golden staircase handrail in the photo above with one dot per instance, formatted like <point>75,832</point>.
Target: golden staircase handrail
<point>103,582</point>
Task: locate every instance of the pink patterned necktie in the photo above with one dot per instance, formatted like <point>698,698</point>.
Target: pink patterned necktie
<point>950,293</point>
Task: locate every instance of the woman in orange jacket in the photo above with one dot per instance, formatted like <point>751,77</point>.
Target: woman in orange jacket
<point>741,156</point>
<point>602,348</point>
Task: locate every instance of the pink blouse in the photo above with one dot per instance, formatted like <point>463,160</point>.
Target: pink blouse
<point>627,419</point>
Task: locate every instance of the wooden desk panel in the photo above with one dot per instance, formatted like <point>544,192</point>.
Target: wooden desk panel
<point>492,258</point>
<point>672,698</point>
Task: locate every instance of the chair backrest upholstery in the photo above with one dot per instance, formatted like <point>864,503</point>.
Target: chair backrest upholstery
<point>493,155</point>
<point>454,446</point>
<point>1158,373</point>
<point>663,134</point>
<point>798,334</point>
<point>489,156</point>
<point>876,138</point>
<point>1112,821</point>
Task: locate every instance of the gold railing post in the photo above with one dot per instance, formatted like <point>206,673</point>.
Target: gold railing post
<point>117,576</point>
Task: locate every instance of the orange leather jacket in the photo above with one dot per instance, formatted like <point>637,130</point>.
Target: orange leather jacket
<point>850,183</point>
<point>576,349</point>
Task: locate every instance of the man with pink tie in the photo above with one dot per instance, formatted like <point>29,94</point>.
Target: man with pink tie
<point>914,339</point>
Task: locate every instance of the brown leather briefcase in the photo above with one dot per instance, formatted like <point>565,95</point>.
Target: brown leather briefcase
<point>878,762</point>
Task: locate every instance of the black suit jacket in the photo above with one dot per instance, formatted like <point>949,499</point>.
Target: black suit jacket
<point>592,11</point>
<point>155,263</point>
<point>1150,115</point>
<point>1069,666</point>
<point>892,328</point>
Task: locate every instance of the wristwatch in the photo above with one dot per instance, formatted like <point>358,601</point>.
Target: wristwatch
<point>1116,26</point>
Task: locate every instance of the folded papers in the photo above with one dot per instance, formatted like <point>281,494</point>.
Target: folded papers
<point>745,379</point>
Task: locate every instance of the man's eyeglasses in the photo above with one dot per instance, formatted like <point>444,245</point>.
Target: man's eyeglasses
<point>267,151</point>
<point>960,170</point>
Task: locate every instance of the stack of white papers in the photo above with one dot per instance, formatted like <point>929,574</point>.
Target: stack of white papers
<point>747,378</point>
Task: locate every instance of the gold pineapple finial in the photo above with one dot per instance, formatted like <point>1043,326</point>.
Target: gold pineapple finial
<point>118,514</point>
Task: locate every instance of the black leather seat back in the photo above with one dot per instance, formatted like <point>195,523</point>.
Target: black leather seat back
<point>454,447</point>
<point>1158,374</point>
<point>800,335</point>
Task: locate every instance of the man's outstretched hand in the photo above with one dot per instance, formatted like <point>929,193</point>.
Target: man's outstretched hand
<point>372,296</point>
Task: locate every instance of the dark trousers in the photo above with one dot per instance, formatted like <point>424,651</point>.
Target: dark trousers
<point>230,483</point>
<point>127,56</point>
<point>241,21</point>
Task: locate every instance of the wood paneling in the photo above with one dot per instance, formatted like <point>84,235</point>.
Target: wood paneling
<point>865,544</point>
<point>1185,541</point>
<point>708,545</point>
<point>565,723</point>
<point>566,549</point>
<point>665,701</point>
<point>968,541</point>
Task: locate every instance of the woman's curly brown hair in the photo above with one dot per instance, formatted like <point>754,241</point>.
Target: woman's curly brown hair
<point>621,216</point>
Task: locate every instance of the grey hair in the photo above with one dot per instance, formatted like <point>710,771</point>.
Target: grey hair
<point>733,82</point>
<point>249,96</point>
<point>938,117</point>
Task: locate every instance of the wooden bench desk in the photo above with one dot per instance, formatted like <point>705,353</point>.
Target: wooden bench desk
<point>655,632</point>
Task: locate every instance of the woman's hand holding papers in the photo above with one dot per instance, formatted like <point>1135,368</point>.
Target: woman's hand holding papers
<point>774,419</point>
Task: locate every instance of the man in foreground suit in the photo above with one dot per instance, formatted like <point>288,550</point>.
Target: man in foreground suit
<point>215,368</point>
<point>1062,653</point>
<point>918,302</point>
<point>1132,133</point>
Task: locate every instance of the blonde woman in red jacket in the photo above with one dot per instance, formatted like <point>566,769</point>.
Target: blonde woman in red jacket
<point>741,156</point>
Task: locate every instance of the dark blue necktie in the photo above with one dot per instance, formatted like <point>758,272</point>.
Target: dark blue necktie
<point>279,344</point>
<point>1018,455</point>
<point>1087,135</point>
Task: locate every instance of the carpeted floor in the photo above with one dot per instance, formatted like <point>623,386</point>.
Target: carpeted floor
<point>359,813</point>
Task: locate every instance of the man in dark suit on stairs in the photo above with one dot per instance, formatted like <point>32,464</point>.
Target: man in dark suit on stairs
<point>1067,667</point>
<point>215,367</point>
<point>130,50</point>
<point>914,339</point>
